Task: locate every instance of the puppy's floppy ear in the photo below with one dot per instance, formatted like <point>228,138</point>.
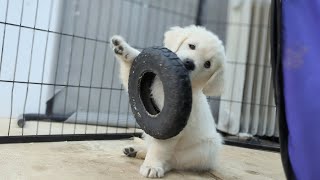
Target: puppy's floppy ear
<point>174,37</point>
<point>215,85</point>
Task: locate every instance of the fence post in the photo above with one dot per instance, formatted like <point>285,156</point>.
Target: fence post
<point>200,12</point>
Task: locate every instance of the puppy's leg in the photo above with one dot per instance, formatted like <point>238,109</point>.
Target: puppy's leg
<point>158,158</point>
<point>201,157</point>
<point>135,151</point>
<point>138,150</point>
<point>125,54</point>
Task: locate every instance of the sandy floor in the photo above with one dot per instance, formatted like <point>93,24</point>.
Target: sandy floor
<point>104,160</point>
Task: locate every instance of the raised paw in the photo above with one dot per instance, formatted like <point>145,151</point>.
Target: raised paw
<point>118,45</point>
<point>130,152</point>
<point>151,172</point>
<point>122,49</point>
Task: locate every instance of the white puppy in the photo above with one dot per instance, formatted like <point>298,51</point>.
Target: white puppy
<point>197,145</point>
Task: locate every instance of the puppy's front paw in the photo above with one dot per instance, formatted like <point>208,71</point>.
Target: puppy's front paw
<point>120,47</point>
<point>117,45</point>
<point>151,171</point>
<point>130,152</point>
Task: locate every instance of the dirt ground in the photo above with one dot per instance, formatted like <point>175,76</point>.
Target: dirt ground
<point>104,160</point>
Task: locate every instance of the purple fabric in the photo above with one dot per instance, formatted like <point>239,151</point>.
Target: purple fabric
<point>301,70</point>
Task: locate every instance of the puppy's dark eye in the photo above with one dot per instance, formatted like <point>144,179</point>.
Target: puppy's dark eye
<point>191,46</point>
<point>207,64</point>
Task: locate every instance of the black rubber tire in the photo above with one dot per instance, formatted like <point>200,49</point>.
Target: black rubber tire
<point>161,62</point>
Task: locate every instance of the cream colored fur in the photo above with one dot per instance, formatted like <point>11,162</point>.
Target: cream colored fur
<point>197,146</point>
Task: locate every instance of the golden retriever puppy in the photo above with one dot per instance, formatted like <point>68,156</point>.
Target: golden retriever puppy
<point>196,147</point>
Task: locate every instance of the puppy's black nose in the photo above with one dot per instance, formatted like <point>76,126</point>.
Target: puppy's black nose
<point>189,64</point>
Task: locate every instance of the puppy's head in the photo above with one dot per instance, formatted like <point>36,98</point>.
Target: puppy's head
<point>202,54</point>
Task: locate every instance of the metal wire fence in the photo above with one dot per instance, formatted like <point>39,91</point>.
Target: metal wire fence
<point>59,78</point>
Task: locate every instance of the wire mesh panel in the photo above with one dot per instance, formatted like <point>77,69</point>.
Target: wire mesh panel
<point>58,74</point>
<point>247,105</point>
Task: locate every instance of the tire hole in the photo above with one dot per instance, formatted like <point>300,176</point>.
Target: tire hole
<point>145,93</point>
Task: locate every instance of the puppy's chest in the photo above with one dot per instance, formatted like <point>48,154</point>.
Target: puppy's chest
<point>200,117</point>
<point>157,92</point>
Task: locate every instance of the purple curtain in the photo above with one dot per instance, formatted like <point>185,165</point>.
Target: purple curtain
<point>301,73</point>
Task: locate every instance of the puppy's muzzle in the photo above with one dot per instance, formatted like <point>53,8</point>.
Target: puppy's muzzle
<point>189,64</point>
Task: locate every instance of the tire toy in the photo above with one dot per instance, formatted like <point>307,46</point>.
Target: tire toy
<point>161,62</point>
